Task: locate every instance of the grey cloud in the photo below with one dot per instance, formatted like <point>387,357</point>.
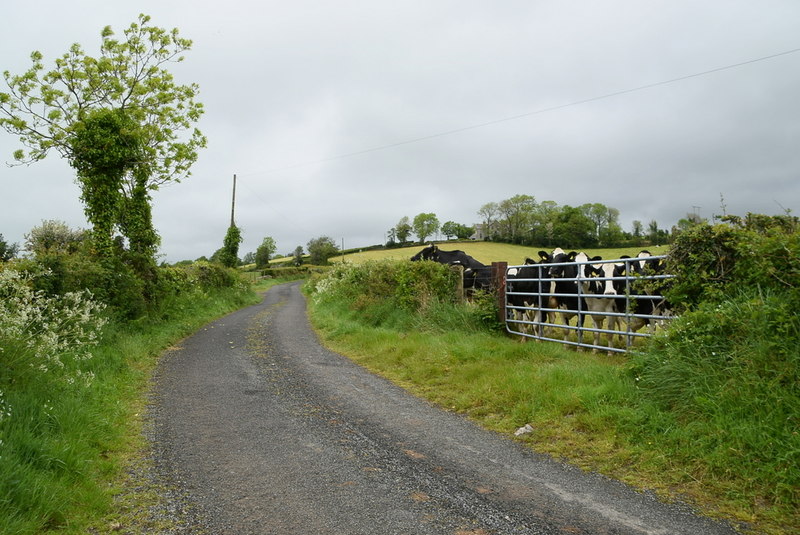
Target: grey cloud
<point>293,89</point>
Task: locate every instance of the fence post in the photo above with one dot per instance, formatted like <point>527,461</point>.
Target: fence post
<point>458,268</point>
<point>499,282</point>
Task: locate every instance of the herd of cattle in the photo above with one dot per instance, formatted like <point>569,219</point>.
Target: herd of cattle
<point>621,296</point>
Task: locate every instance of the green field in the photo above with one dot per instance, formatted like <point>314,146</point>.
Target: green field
<point>487,252</point>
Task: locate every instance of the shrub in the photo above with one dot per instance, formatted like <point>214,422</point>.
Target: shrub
<point>53,236</point>
<point>212,275</point>
<point>408,285</point>
<point>46,337</point>
<point>754,251</point>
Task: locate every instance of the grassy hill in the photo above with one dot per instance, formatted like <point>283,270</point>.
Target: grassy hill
<point>486,252</point>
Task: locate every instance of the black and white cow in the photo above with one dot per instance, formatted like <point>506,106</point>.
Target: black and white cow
<point>647,266</point>
<point>598,280</point>
<point>564,272</point>
<point>476,275</point>
<point>533,279</point>
<point>432,252</point>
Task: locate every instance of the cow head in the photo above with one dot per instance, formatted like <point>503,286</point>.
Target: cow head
<point>563,271</point>
<point>606,272</point>
<point>428,253</point>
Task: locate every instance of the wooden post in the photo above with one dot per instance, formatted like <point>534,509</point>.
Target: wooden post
<point>458,268</point>
<point>499,282</point>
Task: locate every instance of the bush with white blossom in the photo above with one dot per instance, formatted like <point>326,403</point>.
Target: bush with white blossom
<point>45,336</point>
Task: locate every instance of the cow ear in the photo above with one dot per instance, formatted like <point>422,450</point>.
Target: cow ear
<point>596,258</point>
<point>625,256</point>
<point>572,255</point>
<point>543,255</point>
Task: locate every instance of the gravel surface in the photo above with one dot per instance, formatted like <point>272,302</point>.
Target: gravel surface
<point>258,429</point>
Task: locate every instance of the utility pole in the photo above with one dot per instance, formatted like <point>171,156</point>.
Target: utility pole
<point>233,200</point>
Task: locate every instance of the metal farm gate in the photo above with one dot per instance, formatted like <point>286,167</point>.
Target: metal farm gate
<point>540,316</point>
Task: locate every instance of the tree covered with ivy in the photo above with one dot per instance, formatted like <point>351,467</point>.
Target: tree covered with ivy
<point>121,121</point>
<point>229,254</point>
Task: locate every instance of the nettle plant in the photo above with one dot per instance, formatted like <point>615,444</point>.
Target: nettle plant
<point>45,337</point>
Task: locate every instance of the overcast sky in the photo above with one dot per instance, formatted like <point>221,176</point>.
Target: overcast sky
<point>298,94</point>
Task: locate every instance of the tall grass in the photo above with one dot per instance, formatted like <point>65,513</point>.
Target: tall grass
<point>728,376</point>
<point>708,412</point>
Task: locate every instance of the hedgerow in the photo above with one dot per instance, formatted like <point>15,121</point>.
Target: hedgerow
<point>412,286</point>
<point>727,371</point>
<point>756,251</point>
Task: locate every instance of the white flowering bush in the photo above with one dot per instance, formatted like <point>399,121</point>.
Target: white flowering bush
<point>339,277</point>
<point>5,410</point>
<point>47,336</point>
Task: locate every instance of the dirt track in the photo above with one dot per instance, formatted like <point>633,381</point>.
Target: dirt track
<point>265,431</point>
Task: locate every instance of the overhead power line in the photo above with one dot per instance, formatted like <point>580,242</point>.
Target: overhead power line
<point>528,114</point>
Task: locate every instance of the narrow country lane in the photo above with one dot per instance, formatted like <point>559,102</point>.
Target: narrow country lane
<point>267,432</point>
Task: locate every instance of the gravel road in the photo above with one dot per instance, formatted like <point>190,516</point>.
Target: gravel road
<point>261,430</point>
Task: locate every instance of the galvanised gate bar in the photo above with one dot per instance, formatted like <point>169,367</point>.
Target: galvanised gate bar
<point>539,311</point>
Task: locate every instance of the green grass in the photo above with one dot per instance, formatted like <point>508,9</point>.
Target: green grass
<point>67,455</point>
<point>704,415</point>
<point>486,252</point>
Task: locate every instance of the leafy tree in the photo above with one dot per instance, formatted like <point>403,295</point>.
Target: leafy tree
<point>107,146</point>
<point>457,230</point>
<point>516,217</point>
<point>573,229</point>
<point>605,221</point>
<point>464,231</point>
<point>544,219</point>
<point>425,225</point>
<point>119,119</point>
<point>403,229</point>
<point>229,254</point>
<point>652,231</point>
<point>249,258</point>
<point>391,238</point>
<point>611,235</point>
<point>53,236</point>
<point>7,250</point>
<point>298,256</point>
<point>320,249</point>
<point>489,213</point>
<point>449,229</point>
<point>265,252</point>
<point>637,229</point>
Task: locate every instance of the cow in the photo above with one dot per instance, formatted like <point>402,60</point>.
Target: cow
<point>476,275</point>
<point>598,280</point>
<point>531,278</point>
<point>564,272</point>
<point>432,252</point>
<point>646,266</point>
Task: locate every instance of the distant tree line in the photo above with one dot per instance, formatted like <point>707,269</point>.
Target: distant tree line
<point>523,220</point>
